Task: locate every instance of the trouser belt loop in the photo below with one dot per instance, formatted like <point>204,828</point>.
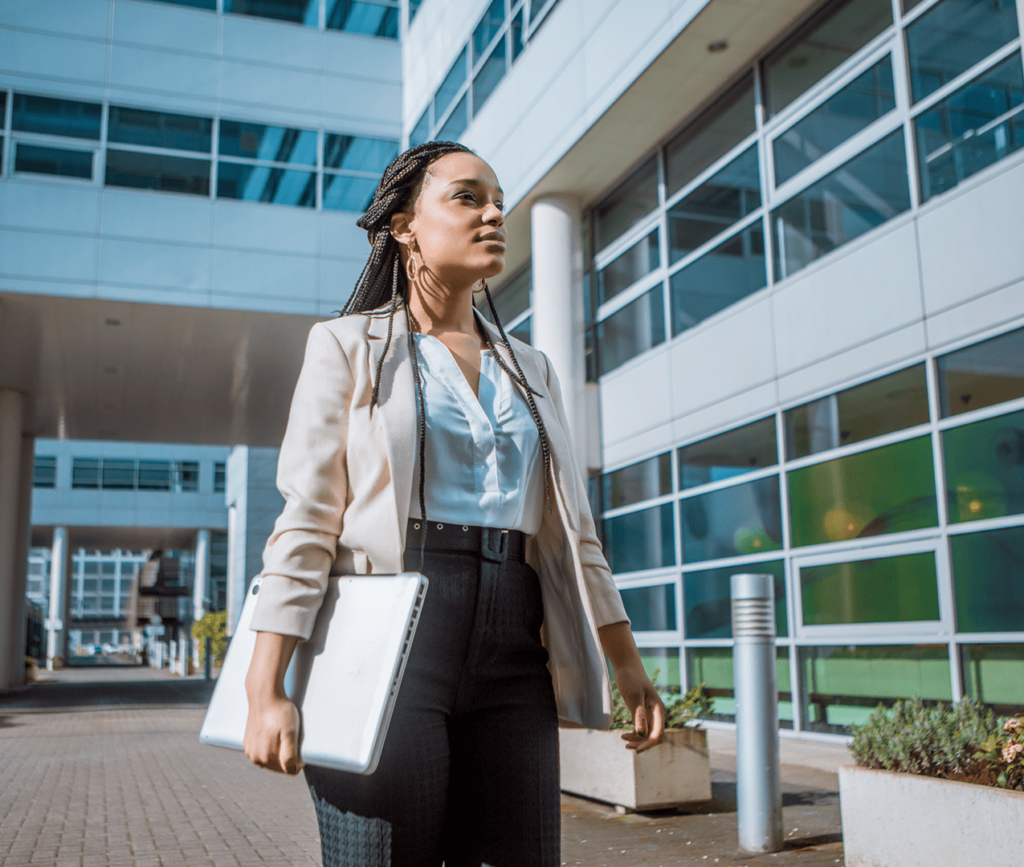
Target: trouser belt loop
<point>494,544</point>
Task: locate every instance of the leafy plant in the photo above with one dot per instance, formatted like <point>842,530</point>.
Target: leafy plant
<point>213,625</point>
<point>680,712</point>
<point>1003,752</point>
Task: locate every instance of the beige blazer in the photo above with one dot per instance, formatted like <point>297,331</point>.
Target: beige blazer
<point>347,482</point>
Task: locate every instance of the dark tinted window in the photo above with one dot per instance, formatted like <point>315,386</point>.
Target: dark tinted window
<point>633,200</point>
<point>457,122</point>
<point>623,271</point>
<point>297,11</point>
<point>360,16</point>
<point>488,28</point>
<point>741,519</point>
<point>154,475</point>
<point>640,481</point>
<point>254,183</point>
<point>981,375</point>
<point>347,193</point>
<point>44,472</point>
<point>158,172</point>
<point>635,328</point>
<point>56,116</point>
<point>274,143</point>
<point>733,453</point>
<point>650,609</point>
<point>52,161</point>
<point>358,153</point>
<point>85,473</point>
<point>160,129</point>
<point>455,78</point>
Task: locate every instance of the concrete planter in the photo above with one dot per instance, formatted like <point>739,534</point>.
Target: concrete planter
<point>903,820</point>
<point>597,765</point>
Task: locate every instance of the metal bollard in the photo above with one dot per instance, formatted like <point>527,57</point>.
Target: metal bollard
<point>758,788</point>
<point>207,661</point>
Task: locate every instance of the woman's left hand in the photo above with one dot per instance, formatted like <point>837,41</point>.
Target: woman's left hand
<point>644,704</point>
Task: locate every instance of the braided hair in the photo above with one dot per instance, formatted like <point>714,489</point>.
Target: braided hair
<point>383,281</point>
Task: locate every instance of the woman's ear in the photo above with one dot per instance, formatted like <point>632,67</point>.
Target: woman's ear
<point>401,229</point>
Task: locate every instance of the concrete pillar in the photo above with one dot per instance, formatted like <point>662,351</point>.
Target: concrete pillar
<point>201,579</point>
<point>57,613</point>
<point>557,324</point>
<point>12,606</point>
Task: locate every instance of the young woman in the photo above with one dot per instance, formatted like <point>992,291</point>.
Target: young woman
<point>422,438</point>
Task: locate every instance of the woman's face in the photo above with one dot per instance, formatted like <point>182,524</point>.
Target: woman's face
<point>456,229</point>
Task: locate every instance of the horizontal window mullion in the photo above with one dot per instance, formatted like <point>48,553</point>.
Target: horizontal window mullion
<point>989,637</point>
<point>858,447</point>
<point>650,578</point>
<point>737,561</point>
<point>302,167</point>
<point>965,77</point>
<point>57,141</point>
<point>711,170</point>
<point>627,296</point>
<point>734,229</point>
<point>859,545</point>
<point>961,528</point>
<point>157,151</point>
<point>638,506</point>
<point>981,414</point>
<point>627,239</point>
<point>730,482</point>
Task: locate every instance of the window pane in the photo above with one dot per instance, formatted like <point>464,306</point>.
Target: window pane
<point>651,609</point>
<point>154,475</point>
<point>489,76</point>
<point>421,132</point>
<point>44,472</point>
<point>53,161</point>
<point>977,126</point>
<point>488,28</point>
<point>712,666</point>
<point>85,473</point>
<point>884,590</point>
<point>866,192</point>
<point>954,35</point>
<point>711,136</point>
<point>830,39</point>
<point>275,143</point>
<point>220,477</point>
<point>662,667</point>
<point>197,4</point>
<point>511,300</point>
<point>358,153</point>
<point>637,327</point>
<point>118,474</point>
<point>727,196</point>
<point>707,598</point>
<point>347,193</point>
<point>253,183</point>
<point>982,375</point>
<point>988,579</point>
<point>885,490</point>
<point>522,331</point>
<point>357,16</point>
<point>56,116</point>
<point>516,35</point>
<point>722,276</point>
<point>884,405</point>
<point>743,519</point>
<point>844,685</point>
<point>455,78</point>
<point>864,100</point>
<point>640,540</point>
<point>456,124</point>
<point>641,481</point>
<point>739,451</point>
<point>994,675</point>
<point>985,468</point>
<point>157,172</point>
<point>297,11</point>
<point>186,476</point>
<point>623,271</point>
<point>634,199</point>
<point>158,129</point>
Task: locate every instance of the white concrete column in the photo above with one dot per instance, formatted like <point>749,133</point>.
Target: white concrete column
<point>58,585</point>
<point>201,579</point>
<point>12,608</point>
<point>557,324</point>
<point>236,565</point>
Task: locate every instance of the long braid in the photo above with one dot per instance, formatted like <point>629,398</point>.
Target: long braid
<point>421,430</point>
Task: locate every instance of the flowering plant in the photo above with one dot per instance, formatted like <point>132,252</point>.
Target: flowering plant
<point>1004,752</point>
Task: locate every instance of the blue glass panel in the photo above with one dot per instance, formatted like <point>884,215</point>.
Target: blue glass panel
<point>637,482</point>
<point>730,454</point>
<point>455,78</point>
<point>157,172</point>
<point>347,193</point>
<point>489,76</point>
<point>421,132</point>
<point>707,599</point>
<point>517,36</point>
<point>253,183</point>
<point>160,129</point>
<point>274,143</point>
<point>650,609</point>
<point>627,205</point>
<point>522,331</point>
<point>358,153</point>
<point>359,16</point>
<point>297,11</point>
<point>52,161</point>
<point>456,124</point>
<point>640,540</point>
<point>414,7</point>
<point>623,271</point>
<point>488,28</point>
<point>743,519</point>
<point>635,328</point>
<point>56,116</point>
<point>197,4</point>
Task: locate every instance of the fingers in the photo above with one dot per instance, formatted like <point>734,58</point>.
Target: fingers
<point>288,755</point>
<point>648,724</point>
<point>640,719</point>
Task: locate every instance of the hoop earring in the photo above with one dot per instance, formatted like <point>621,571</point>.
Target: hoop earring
<point>411,268</point>
<point>483,287</point>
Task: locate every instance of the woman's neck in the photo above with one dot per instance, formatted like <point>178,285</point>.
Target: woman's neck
<point>437,309</point>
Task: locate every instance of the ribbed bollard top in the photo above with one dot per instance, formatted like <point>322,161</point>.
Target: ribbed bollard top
<point>753,606</point>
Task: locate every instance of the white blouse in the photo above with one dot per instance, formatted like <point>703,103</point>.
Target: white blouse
<point>481,452</point>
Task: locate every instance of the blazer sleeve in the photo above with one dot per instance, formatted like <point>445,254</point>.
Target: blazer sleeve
<point>312,478</point>
<point>597,576</point>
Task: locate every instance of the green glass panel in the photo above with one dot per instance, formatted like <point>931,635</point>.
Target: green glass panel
<point>640,481</point>
<point>985,468</point>
<point>708,604</point>
<point>650,609</point>
<point>994,675</point>
<point>886,590</point>
<point>742,519</point>
<point>988,579</point>
<point>843,685</point>
<point>662,666</point>
<point>981,375</point>
<point>640,540</point>
<point>885,490</point>
<point>712,666</point>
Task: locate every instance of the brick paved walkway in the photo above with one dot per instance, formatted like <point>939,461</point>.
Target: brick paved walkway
<point>111,774</point>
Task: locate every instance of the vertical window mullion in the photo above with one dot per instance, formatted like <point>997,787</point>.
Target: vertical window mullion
<point>215,153</point>
<point>767,165</point>
<point>901,84</point>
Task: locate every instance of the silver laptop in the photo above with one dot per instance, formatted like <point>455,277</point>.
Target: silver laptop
<point>344,679</point>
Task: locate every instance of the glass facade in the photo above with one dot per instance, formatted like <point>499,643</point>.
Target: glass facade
<point>129,474</point>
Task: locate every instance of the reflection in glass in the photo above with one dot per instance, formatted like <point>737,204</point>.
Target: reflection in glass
<point>842,686</point>
<point>885,490</point>
<point>297,11</point>
<point>160,129</point>
<point>985,468</point>
<point>866,192</point>
<point>662,667</point>
<point>421,132</point>
<point>719,278</point>
<point>884,405</point>
<point>118,474</point>
<point>85,473</point>
<point>197,4</point>
<point>455,78</point>
<point>640,481</point>
<point>359,16</point>
<point>511,300</point>
<point>44,471</point>
<point>742,519</point>
<point>53,161</point>
<point>154,475</point>
<point>982,375</point>
<point>517,35</point>
<point>712,666</point>
<point>253,183</point>
<point>640,540</point>
<point>623,271</point>
<point>841,30</point>
<point>489,76</point>
<point>988,580</point>
<point>650,609</point>
<point>627,205</point>
<point>733,453</point>
<point>993,675</point>
<point>971,129</point>
<point>708,601</point>
<point>633,329</point>
<point>723,126</point>
<point>864,100</point>
<point>456,124</point>
<point>347,192</point>
<point>522,331</point>
<point>358,153</point>
<point>488,28</point>
<point>56,116</point>
<point>884,590</point>
<point>727,196</point>
<point>954,35</point>
<point>274,143</point>
<point>157,172</point>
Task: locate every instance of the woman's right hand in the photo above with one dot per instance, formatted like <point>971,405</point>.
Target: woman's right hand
<point>272,726</point>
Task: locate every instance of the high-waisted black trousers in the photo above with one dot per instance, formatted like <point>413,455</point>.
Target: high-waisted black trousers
<point>469,771</point>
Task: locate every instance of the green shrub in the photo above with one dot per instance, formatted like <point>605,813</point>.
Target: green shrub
<point>1003,754</point>
<point>213,625</point>
<point>680,712</point>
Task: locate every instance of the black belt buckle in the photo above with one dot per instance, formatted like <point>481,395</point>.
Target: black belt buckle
<point>494,544</point>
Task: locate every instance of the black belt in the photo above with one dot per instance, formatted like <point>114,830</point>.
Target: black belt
<point>491,543</point>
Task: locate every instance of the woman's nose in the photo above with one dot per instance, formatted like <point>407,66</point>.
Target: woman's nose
<point>493,214</point>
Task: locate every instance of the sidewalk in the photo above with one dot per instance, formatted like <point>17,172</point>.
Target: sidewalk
<point>103,768</point>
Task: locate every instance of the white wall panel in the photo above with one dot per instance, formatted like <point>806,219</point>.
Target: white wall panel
<point>131,214</point>
<point>340,236</point>
<point>375,102</point>
<point>146,295</point>
<point>86,18</point>
<point>637,398</point>
<point>648,442</point>
<point>363,58</point>
<point>154,265</point>
<point>727,413</point>
<point>48,256</point>
<point>59,207</point>
<point>337,279</point>
<point>976,316</point>
<point>148,69</point>
<point>52,58</point>
<point>259,226</point>
<point>264,275</point>
<point>266,42</point>
<point>617,38</point>
<point>160,25</point>
<point>266,304</point>
<point>248,84</point>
